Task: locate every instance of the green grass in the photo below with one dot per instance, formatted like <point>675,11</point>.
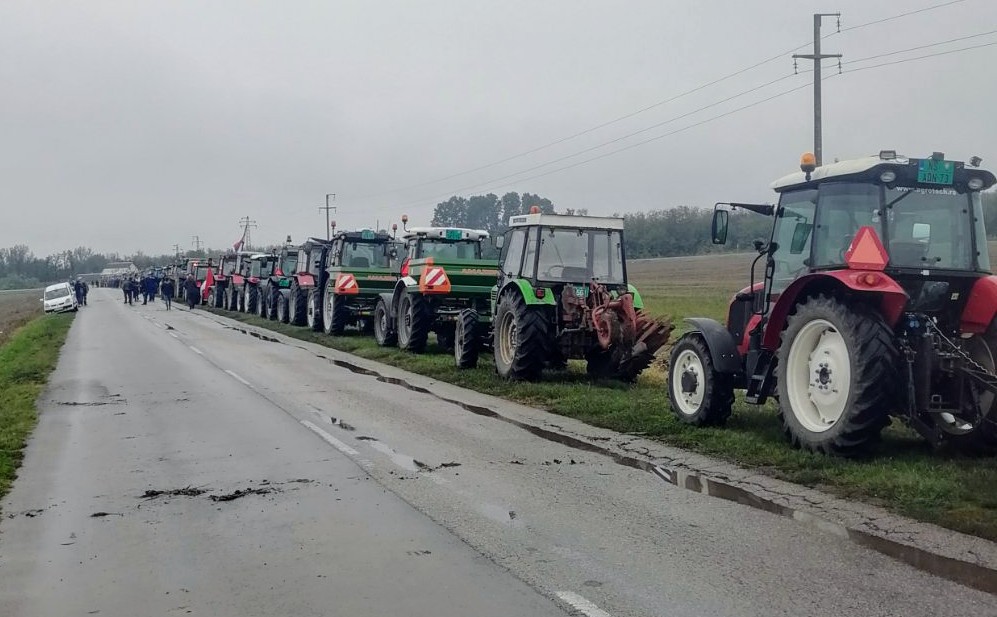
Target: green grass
<point>26,361</point>
<point>904,475</point>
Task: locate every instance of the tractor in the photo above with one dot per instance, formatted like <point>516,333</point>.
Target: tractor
<point>308,276</point>
<point>227,281</point>
<point>443,274</point>
<point>359,266</point>
<point>274,289</point>
<point>200,268</point>
<point>253,271</point>
<point>876,301</point>
<point>562,293</point>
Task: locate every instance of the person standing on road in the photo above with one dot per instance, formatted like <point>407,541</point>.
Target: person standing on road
<point>191,291</point>
<point>125,291</point>
<point>166,288</point>
<point>78,290</point>
<point>86,290</point>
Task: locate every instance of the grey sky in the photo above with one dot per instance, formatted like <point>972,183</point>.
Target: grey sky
<point>133,125</point>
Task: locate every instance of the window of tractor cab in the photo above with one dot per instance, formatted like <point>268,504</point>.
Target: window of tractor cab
<point>512,252</point>
<point>579,255</point>
<point>365,255</point>
<point>844,208</point>
<point>200,272</point>
<point>929,228</point>
<point>441,249</point>
<point>792,234</point>
<point>289,263</point>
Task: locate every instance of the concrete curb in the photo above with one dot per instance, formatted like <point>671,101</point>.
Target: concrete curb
<point>949,554</point>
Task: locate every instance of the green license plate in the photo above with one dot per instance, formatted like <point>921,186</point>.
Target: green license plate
<point>930,171</point>
<point>453,234</point>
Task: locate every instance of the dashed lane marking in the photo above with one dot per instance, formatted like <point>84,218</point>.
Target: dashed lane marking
<point>195,350</point>
<point>237,378</point>
<point>581,605</point>
<point>332,441</point>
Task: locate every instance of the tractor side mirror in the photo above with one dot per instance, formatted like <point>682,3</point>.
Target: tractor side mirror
<point>498,241</point>
<point>719,226</point>
<point>801,234</point>
<point>921,232</point>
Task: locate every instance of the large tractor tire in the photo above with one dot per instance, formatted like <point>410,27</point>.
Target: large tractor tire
<point>384,331</point>
<point>297,305</point>
<point>283,312</point>
<point>467,341</point>
<point>335,314</point>
<point>252,300</point>
<point>313,316</point>
<point>522,339</point>
<point>605,363</point>
<point>975,436</point>
<point>235,300</point>
<point>218,297</point>
<point>264,303</point>
<point>837,372</point>
<point>415,318</point>
<point>699,394</point>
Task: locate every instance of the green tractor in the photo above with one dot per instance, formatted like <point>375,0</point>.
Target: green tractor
<point>443,274</point>
<point>359,266</point>
<point>562,293</point>
<point>274,290</point>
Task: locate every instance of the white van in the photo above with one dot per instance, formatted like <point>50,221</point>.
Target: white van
<point>59,297</point>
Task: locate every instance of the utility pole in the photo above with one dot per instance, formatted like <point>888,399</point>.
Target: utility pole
<point>197,243</point>
<point>246,223</point>
<point>176,249</point>
<point>327,207</point>
<point>817,56</point>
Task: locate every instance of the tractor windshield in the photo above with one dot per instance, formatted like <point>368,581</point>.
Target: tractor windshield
<point>200,272</point>
<point>261,268</point>
<point>289,263</point>
<point>922,228</point>
<point>441,249</point>
<point>365,255</point>
<point>580,255</point>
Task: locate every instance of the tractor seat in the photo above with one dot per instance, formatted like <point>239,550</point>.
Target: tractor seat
<point>359,262</point>
<point>575,273</point>
<point>908,253</point>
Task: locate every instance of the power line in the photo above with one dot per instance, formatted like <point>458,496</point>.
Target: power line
<point>902,51</point>
<point>940,53</point>
<point>649,107</point>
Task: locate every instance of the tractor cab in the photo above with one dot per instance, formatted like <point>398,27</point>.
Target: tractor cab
<point>363,249</point>
<point>443,243</point>
<point>875,299</point>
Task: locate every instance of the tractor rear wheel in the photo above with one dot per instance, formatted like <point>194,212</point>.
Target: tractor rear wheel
<point>251,303</point>
<point>235,301</point>
<point>218,297</point>
<point>837,369</point>
<point>297,307</point>
<point>466,339</point>
<point>976,435</point>
<point>384,333</point>
<point>699,394</point>
<point>522,339</point>
<point>314,315</point>
<point>415,318</point>
<point>263,299</point>
<point>335,314</point>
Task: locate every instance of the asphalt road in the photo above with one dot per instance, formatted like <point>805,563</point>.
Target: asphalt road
<point>412,505</point>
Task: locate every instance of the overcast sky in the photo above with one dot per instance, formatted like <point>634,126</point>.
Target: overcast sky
<point>130,126</point>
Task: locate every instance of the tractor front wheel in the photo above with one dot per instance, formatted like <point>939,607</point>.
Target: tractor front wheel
<point>414,320</point>
<point>250,303</point>
<point>314,315</point>
<point>335,314</point>
<point>522,339</point>
<point>283,308</point>
<point>297,305</point>
<point>466,344</point>
<point>837,368</point>
<point>699,394</point>
<point>384,333</point>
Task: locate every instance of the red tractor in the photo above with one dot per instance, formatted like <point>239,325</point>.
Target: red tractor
<point>876,301</point>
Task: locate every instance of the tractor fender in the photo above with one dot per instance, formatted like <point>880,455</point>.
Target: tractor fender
<point>722,346</point>
<point>981,307</point>
<point>638,301</point>
<point>892,297</point>
<point>388,299</point>
<point>528,293</point>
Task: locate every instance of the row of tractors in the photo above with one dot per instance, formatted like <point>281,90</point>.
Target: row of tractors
<point>874,301</point>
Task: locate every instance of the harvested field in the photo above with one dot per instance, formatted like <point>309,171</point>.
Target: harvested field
<point>16,309</point>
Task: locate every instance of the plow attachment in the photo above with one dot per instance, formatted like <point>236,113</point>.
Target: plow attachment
<point>631,338</point>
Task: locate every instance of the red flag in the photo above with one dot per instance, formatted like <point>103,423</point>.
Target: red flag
<point>209,282</point>
<point>238,245</point>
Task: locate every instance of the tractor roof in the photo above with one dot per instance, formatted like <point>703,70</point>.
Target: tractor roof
<point>363,234</point>
<point>566,220</point>
<point>869,168</point>
<point>446,233</point>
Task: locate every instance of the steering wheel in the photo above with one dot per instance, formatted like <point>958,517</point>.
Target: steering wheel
<point>549,272</point>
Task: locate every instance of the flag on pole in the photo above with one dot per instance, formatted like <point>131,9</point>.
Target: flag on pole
<point>209,282</point>
<point>238,245</point>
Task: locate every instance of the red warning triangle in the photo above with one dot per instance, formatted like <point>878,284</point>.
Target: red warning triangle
<point>866,251</point>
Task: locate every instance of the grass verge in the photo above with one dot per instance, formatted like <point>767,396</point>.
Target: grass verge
<point>26,360</point>
<point>905,475</point>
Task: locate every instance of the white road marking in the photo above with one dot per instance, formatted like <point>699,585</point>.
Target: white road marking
<point>332,441</point>
<point>237,378</point>
<point>195,350</point>
<point>405,462</point>
<point>174,335</point>
<point>581,605</point>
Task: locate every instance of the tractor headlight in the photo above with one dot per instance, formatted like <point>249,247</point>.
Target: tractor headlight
<point>975,183</point>
<point>887,176</point>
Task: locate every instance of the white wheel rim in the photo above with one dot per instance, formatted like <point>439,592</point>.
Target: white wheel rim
<point>818,376</point>
<point>327,313</point>
<point>688,361</point>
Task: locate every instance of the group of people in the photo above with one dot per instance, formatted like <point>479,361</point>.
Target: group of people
<point>133,287</point>
<point>80,288</point>
<point>150,286</point>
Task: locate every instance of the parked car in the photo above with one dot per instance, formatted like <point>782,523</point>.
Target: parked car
<point>59,298</point>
